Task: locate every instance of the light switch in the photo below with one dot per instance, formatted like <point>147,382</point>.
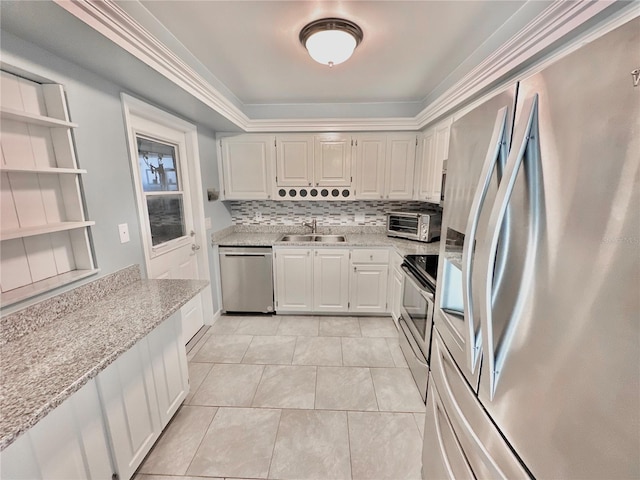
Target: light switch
<point>123,229</point>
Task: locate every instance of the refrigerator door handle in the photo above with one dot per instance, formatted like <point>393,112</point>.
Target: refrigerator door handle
<point>524,132</point>
<point>495,155</point>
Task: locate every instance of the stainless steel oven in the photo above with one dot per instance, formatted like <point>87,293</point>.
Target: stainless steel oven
<point>416,320</point>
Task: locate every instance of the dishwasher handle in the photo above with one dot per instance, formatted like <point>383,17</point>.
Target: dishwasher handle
<point>245,254</point>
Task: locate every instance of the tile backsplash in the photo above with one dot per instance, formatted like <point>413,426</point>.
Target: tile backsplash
<point>326,213</point>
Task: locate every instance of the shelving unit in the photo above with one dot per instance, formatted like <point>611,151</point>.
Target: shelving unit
<point>44,230</point>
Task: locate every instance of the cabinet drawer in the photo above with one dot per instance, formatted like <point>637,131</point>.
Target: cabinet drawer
<point>369,255</point>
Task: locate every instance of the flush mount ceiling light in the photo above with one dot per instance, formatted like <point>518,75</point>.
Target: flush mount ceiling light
<point>331,41</point>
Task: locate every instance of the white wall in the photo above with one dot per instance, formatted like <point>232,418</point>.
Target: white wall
<point>95,104</point>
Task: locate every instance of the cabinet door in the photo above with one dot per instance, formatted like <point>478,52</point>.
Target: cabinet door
<point>332,158</point>
<point>130,407</point>
<point>331,280</point>
<point>426,160</point>
<point>441,154</point>
<point>247,163</point>
<point>169,364</point>
<point>396,293</point>
<point>401,157</point>
<point>294,160</point>
<point>69,443</point>
<point>371,154</point>
<point>369,288</point>
<point>294,279</point>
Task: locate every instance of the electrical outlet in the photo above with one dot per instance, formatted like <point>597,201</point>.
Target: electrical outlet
<point>359,218</point>
<point>123,230</point>
<point>207,223</point>
<point>258,216</point>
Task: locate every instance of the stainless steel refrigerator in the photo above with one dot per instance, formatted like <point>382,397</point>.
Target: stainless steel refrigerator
<point>535,368</point>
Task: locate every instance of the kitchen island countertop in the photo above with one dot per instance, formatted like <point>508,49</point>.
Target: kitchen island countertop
<point>46,366</point>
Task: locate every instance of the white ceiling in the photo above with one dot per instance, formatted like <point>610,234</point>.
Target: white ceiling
<point>238,65</point>
<point>409,47</point>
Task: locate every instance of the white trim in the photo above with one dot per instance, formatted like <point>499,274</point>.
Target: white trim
<point>134,107</point>
<point>559,19</point>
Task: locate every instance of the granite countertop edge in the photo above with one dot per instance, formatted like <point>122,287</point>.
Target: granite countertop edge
<point>26,421</point>
<point>269,239</point>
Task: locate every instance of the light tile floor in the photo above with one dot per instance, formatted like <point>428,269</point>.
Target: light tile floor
<point>294,397</point>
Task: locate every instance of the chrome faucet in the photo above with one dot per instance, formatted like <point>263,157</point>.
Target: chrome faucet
<point>313,225</point>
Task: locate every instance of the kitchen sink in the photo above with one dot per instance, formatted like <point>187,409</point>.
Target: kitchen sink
<point>313,238</point>
<point>297,238</point>
<point>329,238</point>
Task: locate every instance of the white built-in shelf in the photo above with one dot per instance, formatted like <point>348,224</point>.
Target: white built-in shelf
<point>52,170</point>
<point>17,294</point>
<point>12,114</point>
<point>43,229</point>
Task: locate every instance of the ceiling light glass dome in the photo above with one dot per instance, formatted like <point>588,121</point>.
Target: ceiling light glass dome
<point>331,41</point>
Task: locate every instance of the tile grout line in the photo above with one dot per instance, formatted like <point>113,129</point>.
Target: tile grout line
<point>275,440</point>
<point>213,364</point>
<point>202,440</point>
<point>349,441</point>
<point>375,393</point>
<point>253,398</point>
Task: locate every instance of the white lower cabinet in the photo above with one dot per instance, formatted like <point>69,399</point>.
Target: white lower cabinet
<point>69,443</point>
<point>325,280</point>
<point>170,369</point>
<point>369,288</point>
<point>294,279</point>
<point>128,394</point>
<point>395,292</point>
<point>111,423</point>
<point>331,280</point>
<point>141,391</point>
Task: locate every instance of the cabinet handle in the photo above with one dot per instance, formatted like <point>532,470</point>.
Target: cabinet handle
<point>309,183</point>
<point>370,257</point>
<point>355,269</point>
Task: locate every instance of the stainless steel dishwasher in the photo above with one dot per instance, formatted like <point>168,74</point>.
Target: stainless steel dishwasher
<point>246,276</point>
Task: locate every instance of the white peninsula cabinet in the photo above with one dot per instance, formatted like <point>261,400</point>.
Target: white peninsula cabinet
<point>247,166</point>
<point>109,425</point>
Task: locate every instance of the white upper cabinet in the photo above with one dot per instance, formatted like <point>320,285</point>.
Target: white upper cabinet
<point>247,166</point>
<point>401,156</point>
<point>332,160</point>
<point>294,160</point>
<point>433,151</point>
<point>371,151</point>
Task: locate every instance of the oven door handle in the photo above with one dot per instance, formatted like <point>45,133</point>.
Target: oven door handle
<point>420,357</point>
<point>416,283</point>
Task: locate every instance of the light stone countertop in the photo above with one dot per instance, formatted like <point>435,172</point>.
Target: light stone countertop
<point>380,240</point>
<point>45,367</point>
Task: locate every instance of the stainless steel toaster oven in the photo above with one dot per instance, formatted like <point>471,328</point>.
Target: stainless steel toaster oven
<point>421,226</point>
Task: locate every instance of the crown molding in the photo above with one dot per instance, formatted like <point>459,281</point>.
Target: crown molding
<point>559,19</point>
<point>117,25</point>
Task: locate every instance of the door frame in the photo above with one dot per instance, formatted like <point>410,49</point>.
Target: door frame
<point>134,107</point>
